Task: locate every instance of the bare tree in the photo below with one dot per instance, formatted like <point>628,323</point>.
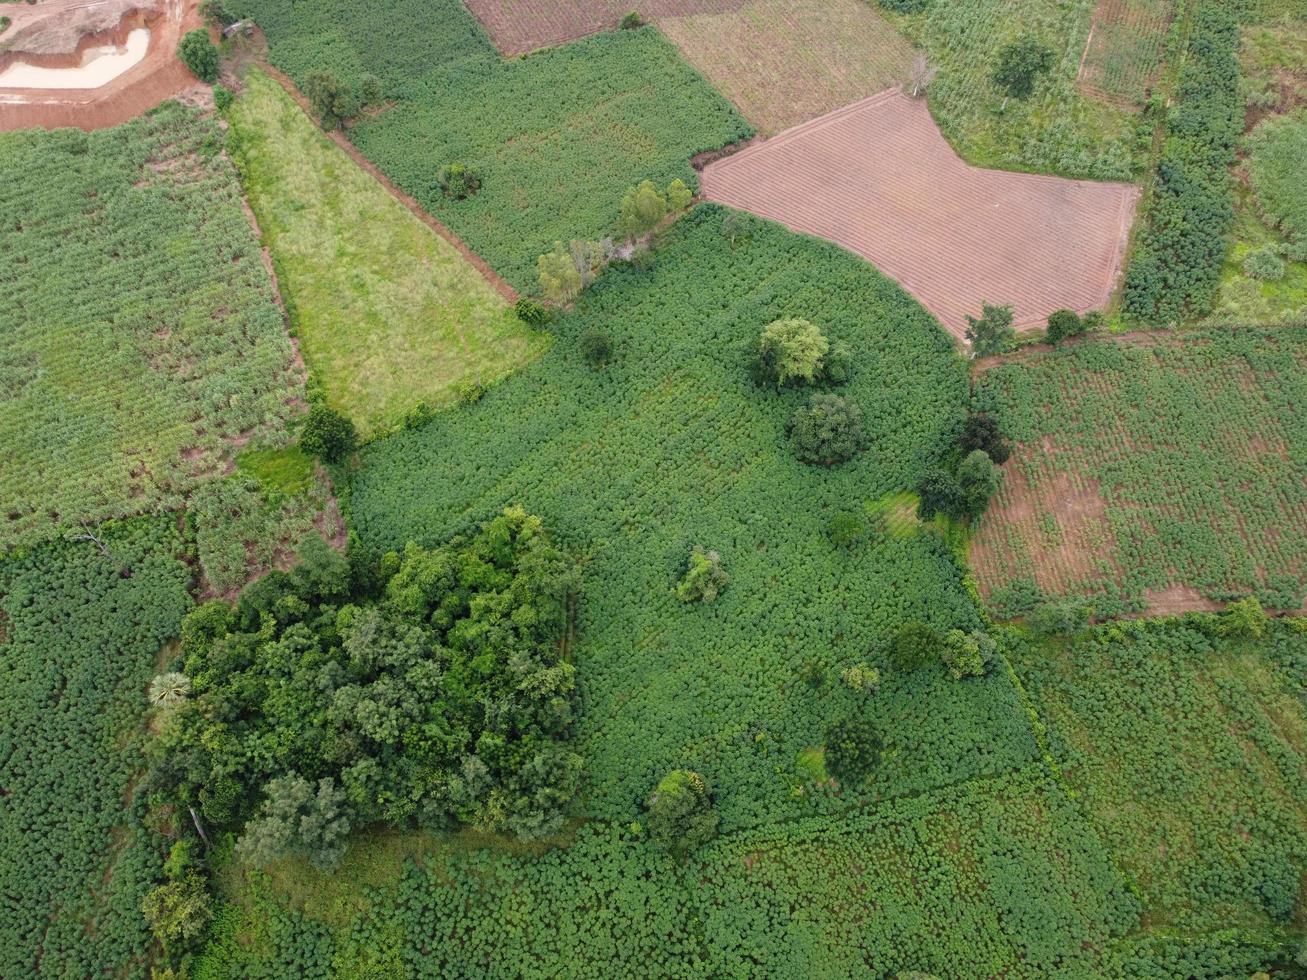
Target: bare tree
<point>923,73</point>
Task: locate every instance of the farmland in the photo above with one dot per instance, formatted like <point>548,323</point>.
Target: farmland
<point>387,313</point>
<point>954,236</point>
<point>1126,48</point>
<point>142,336</point>
<point>1126,487</point>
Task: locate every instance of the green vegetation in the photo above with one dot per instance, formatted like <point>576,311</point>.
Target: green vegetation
<point>1190,754</point>
<point>556,137</point>
<point>81,625</point>
<point>388,314</point>
<point>1057,129</point>
<point>1276,150</point>
<point>1193,455</point>
<point>286,471</point>
<point>673,445</point>
<point>1125,55</point>
<point>140,332</point>
<point>198,54</point>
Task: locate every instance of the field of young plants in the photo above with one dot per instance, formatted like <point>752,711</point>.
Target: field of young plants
<point>141,336</point>
<point>1126,49</point>
<point>80,631</point>
<point>1145,467</point>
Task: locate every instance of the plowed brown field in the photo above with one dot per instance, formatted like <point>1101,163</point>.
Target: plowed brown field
<point>878,178</point>
<point>521,26</point>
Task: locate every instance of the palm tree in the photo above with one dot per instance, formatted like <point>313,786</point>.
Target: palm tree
<point>169,690</point>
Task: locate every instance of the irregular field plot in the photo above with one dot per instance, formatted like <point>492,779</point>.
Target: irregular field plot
<point>782,62</point>
<point>1125,51</point>
<point>1190,755</point>
<point>1168,472</point>
<point>953,235</point>
<point>139,331</point>
<point>520,26</point>
<point>1003,875</point>
<point>78,643</point>
<point>673,445</point>
<point>388,314</point>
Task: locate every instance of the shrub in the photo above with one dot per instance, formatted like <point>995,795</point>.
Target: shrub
<point>1063,324</point>
<point>846,528</point>
<point>904,6</point>
<point>861,678</point>
<point>179,911</point>
<point>1264,264</point>
<point>915,645</point>
<point>1020,63</point>
<point>1244,618</point>
<point>559,277</point>
<point>198,54</point>
<point>328,434</point>
<point>458,181</point>
<point>853,749</point>
<point>678,196</point>
<point>791,350</point>
<point>981,431</point>
<point>331,99</point>
<point>837,366</point>
<point>827,431</point>
<point>222,98</point>
<point>596,347</point>
<point>681,814</point>
<point>968,654</point>
<point>1059,617</point>
<point>704,577</point>
<point>641,209</point>
<point>938,492</point>
<point>215,12</point>
<point>632,20</point>
<point>991,332</point>
<point>532,313</point>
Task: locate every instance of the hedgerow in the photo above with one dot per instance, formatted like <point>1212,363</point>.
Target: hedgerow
<point>1191,454</point>
<point>1179,253</point>
<point>673,445</point>
<point>997,877</point>
<point>140,330</point>
<point>1190,753</point>
<point>556,138</point>
<point>79,633</point>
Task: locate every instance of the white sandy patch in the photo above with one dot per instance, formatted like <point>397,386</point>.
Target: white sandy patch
<point>100,66</point>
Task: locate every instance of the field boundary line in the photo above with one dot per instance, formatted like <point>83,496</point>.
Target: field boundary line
<point>409,202</point>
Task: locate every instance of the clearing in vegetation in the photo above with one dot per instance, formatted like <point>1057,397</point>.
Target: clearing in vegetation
<point>388,314</point>
<point>79,634</point>
<point>953,235</point>
<point>782,62</point>
<point>673,444</point>
<point>557,138</point>
<point>1171,471</point>
<point>1004,875</point>
<point>1189,753</point>
<point>1126,49</point>
<point>141,337</point>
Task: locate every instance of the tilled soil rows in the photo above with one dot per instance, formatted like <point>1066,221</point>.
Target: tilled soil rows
<point>878,178</point>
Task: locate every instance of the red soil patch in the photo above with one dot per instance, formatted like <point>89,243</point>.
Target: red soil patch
<point>521,26</point>
<point>879,178</point>
<point>159,76</point>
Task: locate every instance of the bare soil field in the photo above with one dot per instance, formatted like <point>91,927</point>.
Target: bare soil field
<point>57,33</point>
<point>521,26</point>
<point>878,178</point>
<point>782,62</point>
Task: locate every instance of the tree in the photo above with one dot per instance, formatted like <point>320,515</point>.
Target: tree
<point>559,278</point>
<point>198,54</point>
<point>704,577</point>
<point>678,196</point>
<point>1063,324</point>
<point>458,181</point>
<point>861,678</point>
<point>967,654</point>
<point>169,690</point>
<point>978,480</point>
<point>1244,618</point>
<point>992,332</point>
<point>328,434</point>
<point>915,645</point>
<point>681,814</point>
<point>791,350</point>
<point>332,100</point>
<point>642,207</point>
<point>827,431</point>
<point>1020,62</point>
<point>596,347</point>
<point>923,73</point>
<point>296,819</point>
<point>179,911</point>
<point>853,749</point>
<point>981,431</point>
<point>938,492</point>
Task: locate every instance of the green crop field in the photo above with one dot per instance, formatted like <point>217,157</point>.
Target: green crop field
<point>140,333</point>
<point>1190,754</point>
<point>1126,49</point>
<point>1146,468</point>
<point>80,632</point>
<point>557,137</point>
<point>388,314</point>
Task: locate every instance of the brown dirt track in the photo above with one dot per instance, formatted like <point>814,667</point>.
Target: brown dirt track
<point>879,178</point>
<point>159,76</point>
<point>522,26</point>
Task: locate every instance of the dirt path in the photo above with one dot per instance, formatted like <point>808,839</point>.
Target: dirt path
<point>492,277</point>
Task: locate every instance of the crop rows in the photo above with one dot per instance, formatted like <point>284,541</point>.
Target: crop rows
<point>1126,49</point>
<point>1141,468</point>
<point>140,333</point>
